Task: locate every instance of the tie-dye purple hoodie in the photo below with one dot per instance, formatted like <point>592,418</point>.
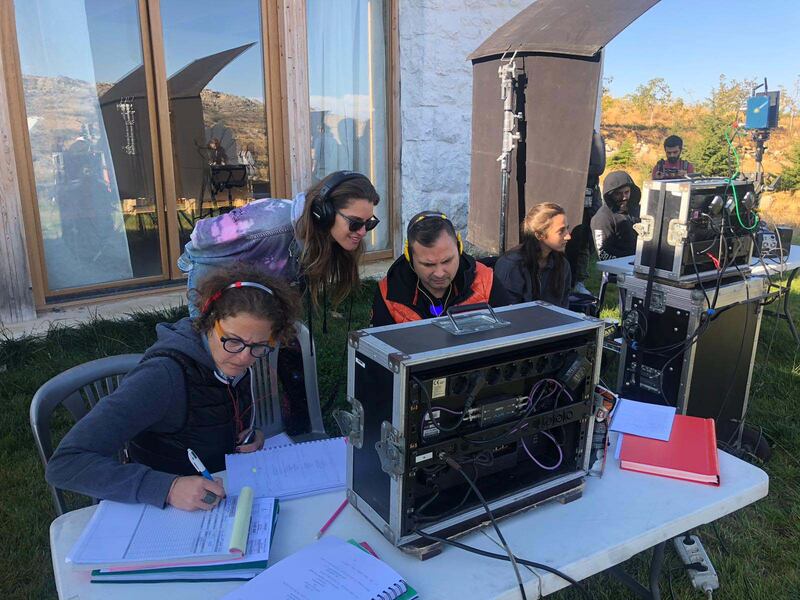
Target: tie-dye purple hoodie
<point>260,233</point>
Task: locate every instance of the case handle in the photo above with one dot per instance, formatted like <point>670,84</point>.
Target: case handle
<point>468,308</point>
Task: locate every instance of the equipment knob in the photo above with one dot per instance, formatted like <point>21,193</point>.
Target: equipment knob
<point>749,200</point>
<point>715,206</point>
<point>730,205</point>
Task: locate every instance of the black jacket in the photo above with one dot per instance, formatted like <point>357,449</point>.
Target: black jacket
<point>613,231</point>
<point>402,288</point>
<point>511,271</point>
<point>157,400</point>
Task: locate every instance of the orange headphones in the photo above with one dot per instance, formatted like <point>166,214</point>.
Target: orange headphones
<point>418,218</point>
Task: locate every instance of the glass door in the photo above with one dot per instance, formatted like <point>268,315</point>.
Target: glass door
<point>214,68</point>
<point>88,94</point>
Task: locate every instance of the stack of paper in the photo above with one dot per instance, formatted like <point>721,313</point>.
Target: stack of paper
<point>290,471</point>
<point>330,569</point>
<point>137,542</point>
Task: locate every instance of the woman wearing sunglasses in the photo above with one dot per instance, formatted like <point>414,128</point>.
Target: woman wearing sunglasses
<point>192,390</point>
<point>313,241</point>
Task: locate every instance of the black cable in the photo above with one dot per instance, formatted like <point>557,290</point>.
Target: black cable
<point>513,559</point>
<point>429,412</point>
<point>528,563</point>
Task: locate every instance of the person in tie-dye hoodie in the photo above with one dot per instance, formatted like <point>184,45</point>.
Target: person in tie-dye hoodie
<point>313,241</point>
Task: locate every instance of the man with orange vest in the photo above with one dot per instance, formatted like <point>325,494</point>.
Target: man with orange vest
<point>433,275</point>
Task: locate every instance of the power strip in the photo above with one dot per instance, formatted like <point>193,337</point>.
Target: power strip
<point>699,568</point>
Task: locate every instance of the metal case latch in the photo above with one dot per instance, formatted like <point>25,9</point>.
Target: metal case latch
<point>676,232</point>
<point>390,450</point>
<point>658,302</point>
<point>351,423</point>
<point>645,228</point>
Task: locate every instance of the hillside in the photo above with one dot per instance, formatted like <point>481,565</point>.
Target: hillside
<point>643,131</point>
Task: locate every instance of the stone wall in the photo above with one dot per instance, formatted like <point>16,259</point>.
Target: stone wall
<point>436,36</point>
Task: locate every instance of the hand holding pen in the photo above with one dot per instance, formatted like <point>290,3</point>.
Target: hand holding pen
<point>192,492</point>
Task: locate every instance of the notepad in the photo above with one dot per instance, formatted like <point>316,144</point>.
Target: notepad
<point>133,536</point>
<point>290,471</point>
<point>690,453</point>
<point>330,569</point>
<point>643,419</point>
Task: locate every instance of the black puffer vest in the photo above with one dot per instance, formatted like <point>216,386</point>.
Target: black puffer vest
<point>208,429</point>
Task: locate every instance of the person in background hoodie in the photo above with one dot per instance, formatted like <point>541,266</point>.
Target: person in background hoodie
<point>537,269</point>
<point>612,226</point>
<point>192,390</point>
<point>314,242</point>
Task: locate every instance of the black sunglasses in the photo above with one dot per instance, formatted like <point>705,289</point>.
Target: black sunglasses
<point>356,224</point>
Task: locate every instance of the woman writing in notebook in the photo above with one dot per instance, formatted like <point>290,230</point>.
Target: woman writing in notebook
<point>537,269</point>
<point>192,390</point>
<point>314,242</point>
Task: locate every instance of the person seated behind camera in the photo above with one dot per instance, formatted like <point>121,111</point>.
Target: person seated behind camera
<point>433,275</point>
<point>673,167</point>
<point>192,389</point>
<point>537,269</point>
<point>612,226</point>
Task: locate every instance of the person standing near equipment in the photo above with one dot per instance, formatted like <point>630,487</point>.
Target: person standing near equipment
<point>612,226</point>
<point>537,269</point>
<point>433,275</point>
<point>673,167</point>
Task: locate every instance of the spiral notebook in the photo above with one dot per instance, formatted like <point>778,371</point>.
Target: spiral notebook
<point>307,575</point>
<point>290,471</point>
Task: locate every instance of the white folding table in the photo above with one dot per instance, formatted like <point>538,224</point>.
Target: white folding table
<point>621,514</point>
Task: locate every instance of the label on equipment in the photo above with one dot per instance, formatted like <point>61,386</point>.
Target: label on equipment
<point>360,363</point>
<point>424,457</point>
<point>438,387</point>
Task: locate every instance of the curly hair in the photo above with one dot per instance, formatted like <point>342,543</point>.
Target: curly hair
<point>281,308</point>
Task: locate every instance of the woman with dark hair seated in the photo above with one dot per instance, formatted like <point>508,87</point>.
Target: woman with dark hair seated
<point>192,390</point>
<point>537,269</point>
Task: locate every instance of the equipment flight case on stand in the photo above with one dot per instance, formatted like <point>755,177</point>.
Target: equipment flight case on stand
<point>704,377</point>
<point>502,397</point>
<point>691,229</point>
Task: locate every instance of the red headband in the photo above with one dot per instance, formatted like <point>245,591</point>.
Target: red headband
<point>236,284</point>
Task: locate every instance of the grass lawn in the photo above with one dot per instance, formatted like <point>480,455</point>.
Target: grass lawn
<point>756,550</point>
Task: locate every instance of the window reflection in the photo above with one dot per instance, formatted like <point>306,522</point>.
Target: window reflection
<point>86,104</point>
<point>347,88</point>
<point>213,53</point>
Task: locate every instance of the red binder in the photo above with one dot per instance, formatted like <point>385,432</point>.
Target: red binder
<point>690,453</point>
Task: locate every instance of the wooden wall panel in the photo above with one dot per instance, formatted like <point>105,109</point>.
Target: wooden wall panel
<point>16,294</point>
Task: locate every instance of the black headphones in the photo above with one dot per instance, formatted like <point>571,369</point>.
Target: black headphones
<point>322,209</point>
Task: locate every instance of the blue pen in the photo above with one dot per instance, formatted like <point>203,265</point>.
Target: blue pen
<point>198,464</point>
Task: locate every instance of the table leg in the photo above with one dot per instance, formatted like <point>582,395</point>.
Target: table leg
<point>787,313</point>
<point>656,563</point>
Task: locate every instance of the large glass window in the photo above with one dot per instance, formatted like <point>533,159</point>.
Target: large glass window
<point>86,101</point>
<point>215,77</point>
<point>347,88</point>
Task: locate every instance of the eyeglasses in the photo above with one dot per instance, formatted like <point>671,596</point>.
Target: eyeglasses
<point>356,224</point>
<point>235,345</point>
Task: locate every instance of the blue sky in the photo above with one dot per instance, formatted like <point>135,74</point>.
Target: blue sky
<point>688,42</point>
<point>691,42</point>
